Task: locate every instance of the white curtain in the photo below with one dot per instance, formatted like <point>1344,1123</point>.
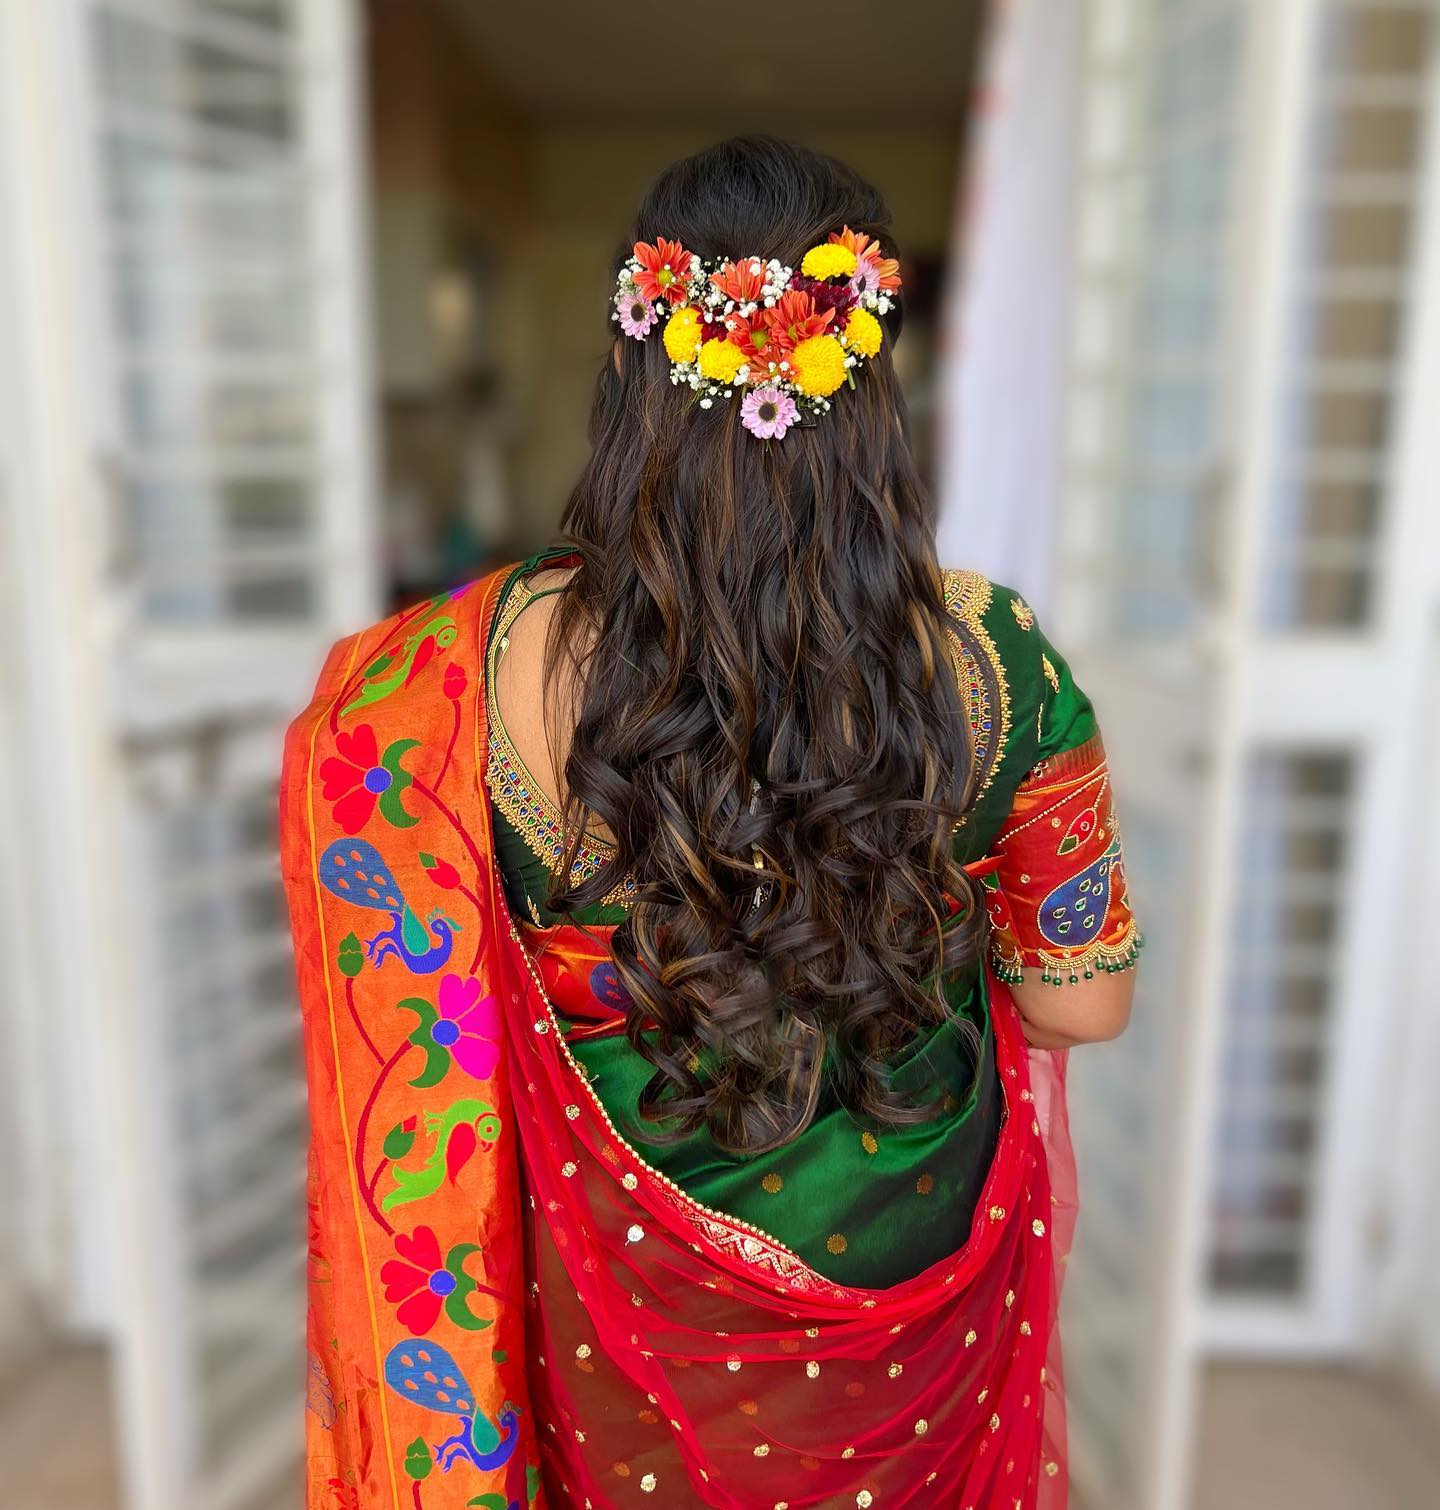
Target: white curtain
<point>1004,337</point>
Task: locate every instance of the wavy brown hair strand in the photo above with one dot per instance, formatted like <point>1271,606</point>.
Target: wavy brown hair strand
<point>766,720</point>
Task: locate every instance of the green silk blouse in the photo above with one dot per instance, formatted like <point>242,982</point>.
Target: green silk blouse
<point>863,1206</point>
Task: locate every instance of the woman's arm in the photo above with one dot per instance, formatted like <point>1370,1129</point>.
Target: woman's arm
<point>1090,1011</point>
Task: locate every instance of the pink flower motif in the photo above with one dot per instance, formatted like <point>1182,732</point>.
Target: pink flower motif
<point>768,413</point>
<point>468,1025</point>
<point>637,315</point>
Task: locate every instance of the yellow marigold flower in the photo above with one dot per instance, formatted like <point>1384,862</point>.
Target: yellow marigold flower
<point>721,360</point>
<point>829,261</point>
<point>682,335</point>
<point>818,366</point>
<point>863,333</point>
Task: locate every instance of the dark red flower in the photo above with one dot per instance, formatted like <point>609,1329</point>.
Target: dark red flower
<point>839,298</point>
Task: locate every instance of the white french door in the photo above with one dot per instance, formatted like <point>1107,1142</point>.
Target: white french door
<point>190,494</point>
<point>1330,650</point>
<point>1254,325</point>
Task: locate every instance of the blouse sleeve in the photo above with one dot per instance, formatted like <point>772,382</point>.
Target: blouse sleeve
<point>1058,898</point>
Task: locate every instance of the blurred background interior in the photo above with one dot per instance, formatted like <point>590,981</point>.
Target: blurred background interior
<point>300,306</point>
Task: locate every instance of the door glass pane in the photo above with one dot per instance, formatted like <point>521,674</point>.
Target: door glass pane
<point>213,412</point>
<point>236,1110</point>
<point>1285,941</point>
<point>214,301</point>
<point>1353,255</point>
<point>1154,232</point>
<point>264,15</point>
<point>256,309</point>
<point>156,70</point>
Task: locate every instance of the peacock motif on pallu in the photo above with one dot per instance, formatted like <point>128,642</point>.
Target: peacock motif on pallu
<point>427,1375</point>
<point>355,871</point>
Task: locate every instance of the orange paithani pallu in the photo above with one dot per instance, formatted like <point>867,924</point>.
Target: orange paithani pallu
<point>507,1306</point>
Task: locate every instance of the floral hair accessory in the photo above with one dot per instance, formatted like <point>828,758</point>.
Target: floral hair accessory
<point>786,340</point>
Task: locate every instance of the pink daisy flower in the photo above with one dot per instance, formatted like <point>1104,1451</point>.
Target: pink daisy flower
<point>637,315</point>
<point>768,413</point>
<point>866,278</point>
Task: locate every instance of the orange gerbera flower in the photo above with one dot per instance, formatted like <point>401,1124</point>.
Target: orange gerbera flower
<point>752,336</point>
<point>664,268</point>
<point>875,271</point>
<point>794,319</point>
<point>742,280</point>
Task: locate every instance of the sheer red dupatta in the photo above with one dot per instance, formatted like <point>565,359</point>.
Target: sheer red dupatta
<point>679,1357</point>
<point>672,1355</point>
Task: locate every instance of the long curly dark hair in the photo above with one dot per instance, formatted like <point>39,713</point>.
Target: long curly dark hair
<point>766,719</point>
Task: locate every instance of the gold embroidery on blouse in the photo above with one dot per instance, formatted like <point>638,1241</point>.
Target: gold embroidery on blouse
<point>967,597</point>
<point>1051,674</point>
<point>1024,614</point>
<point>516,793</point>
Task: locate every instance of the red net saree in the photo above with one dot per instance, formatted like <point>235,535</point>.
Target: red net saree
<point>507,1305</point>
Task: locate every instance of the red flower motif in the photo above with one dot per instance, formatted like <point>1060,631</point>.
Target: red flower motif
<point>664,269</point>
<point>417,1280</point>
<point>344,773</point>
<point>794,319</point>
<point>741,281</point>
<point>358,776</point>
<point>454,683</point>
<point>441,872</point>
<point>347,1496</point>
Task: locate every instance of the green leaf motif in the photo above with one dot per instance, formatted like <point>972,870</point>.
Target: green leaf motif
<point>437,1057</point>
<point>350,956</point>
<point>489,1501</point>
<point>532,1482</point>
<point>418,1461</point>
<point>392,808</point>
<point>498,1355</point>
<point>457,1303</point>
<point>398,1141</point>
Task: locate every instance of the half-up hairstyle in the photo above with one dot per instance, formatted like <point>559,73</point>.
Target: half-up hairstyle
<point>767,719</point>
